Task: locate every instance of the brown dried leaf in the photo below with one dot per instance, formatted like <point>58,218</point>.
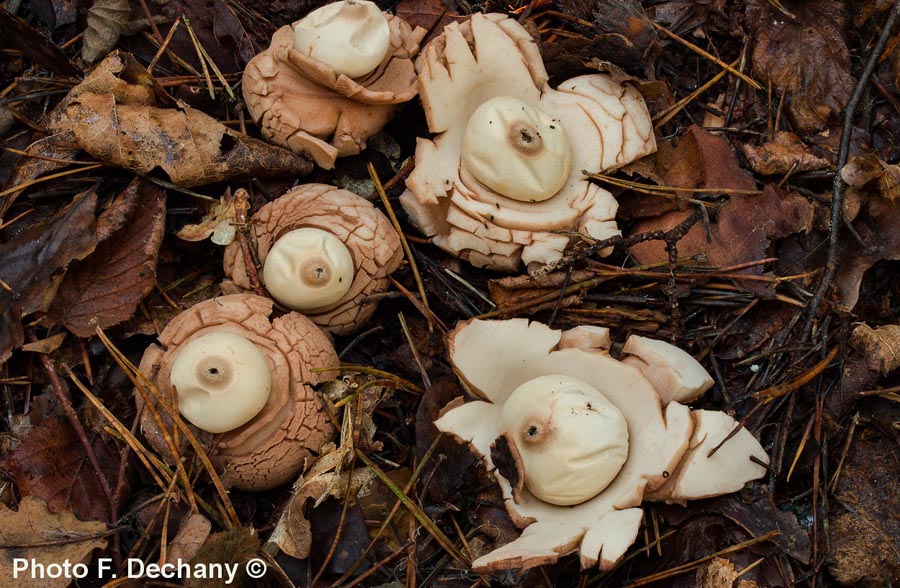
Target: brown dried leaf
<point>191,147</point>
<point>741,234</point>
<point>219,223</point>
<point>880,346</point>
<point>865,520</point>
<point>32,262</point>
<point>293,533</point>
<point>720,573</point>
<point>51,464</point>
<point>786,153</point>
<point>105,21</point>
<point>806,57</point>
<point>48,345</point>
<point>121,115</point>
<point>861,170</point>
<point>745,224</point>
<point>105,289</point>
<point>192,534</point>
<point>34,532</point>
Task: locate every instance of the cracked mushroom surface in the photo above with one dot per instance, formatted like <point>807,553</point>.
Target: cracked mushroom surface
<point>545,396</point>
<point>503,177</point>
<point>307,91</point>
<point>323,251</point>
<point>244,382</point>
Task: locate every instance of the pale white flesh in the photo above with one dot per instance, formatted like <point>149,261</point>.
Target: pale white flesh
<point>308,269</point>
<point>222,381</point>
<point>572,441</point>
<point>352,37</point>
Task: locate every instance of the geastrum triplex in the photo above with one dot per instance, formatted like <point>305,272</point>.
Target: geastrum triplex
<point>502,182</point>
<point>578,439</point>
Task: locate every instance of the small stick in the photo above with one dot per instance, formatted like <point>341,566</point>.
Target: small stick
<point>164,48</point>
<point>66,401</point>
<point>837,198</point>
<point>409,256</point>
<point>730,68</point>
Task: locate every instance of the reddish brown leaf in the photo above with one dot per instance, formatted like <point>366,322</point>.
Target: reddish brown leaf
<point>105,289</point>
<point>31,261</point>
<point>806,57</point>
<point>741,234</point>
<point>785,154</point>
<point>51,464</point>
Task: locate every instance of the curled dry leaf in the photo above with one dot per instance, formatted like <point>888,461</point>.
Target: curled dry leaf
<point>293,534</point>
<point>34,533</point>
<point>122,116</point>
<point>880,346</point>
<point>786,154</point>
<point>219,223</point>
<point>106,21</point>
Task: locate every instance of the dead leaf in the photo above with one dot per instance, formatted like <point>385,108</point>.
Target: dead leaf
<point>805,57</point>
<point>191,147</point>
<point>786,154</point>
<point>45,346</point>
<point>744,225</point>
<point>105,289</point>
<point>122,116</point>
<point>34,532</point>
<point>105,21</point>
<point>881,346</point>
<point>219,222</point>
<point>51,464</point>
<point>742,233</point>
<point>192,534</point>
<point>862,170</point>
<point>720,573</point>
<point>864,522</point>
<point>293,534</point>
<point>32,263</point>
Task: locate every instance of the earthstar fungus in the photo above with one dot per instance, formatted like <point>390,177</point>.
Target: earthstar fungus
<point>323,251</point>
<point>332,79</point>
<point>208,360</point>
<point>573,387</point>
<point>484,87</point>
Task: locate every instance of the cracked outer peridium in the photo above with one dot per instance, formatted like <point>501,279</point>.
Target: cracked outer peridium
<point>302,104</point>
<point>272,448</point>
<point>606,123</point>
<point>368,234</point>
